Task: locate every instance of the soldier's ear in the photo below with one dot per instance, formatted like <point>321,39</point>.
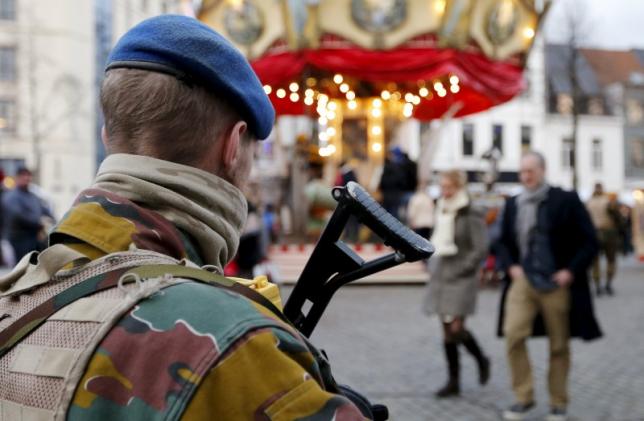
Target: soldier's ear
<point>231,150</point>
<point>104,136</point>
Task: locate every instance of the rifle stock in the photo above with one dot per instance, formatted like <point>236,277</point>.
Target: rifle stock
<point>333,264</point>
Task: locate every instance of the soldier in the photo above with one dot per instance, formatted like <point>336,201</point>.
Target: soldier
<point>99,326</point>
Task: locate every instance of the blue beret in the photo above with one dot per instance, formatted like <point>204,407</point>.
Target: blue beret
<point>189,50</point>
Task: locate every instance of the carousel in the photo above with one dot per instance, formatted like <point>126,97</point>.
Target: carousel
<point>360,70</point>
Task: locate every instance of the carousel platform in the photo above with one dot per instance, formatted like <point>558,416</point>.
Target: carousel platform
<point>289,260</point>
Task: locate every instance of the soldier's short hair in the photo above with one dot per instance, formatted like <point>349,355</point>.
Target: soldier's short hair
<point>157,115</point>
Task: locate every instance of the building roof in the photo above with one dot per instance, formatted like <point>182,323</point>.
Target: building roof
<point>640,55</point>
<point>596,69</point>
<point>613,66</point>
<point>557,68</point>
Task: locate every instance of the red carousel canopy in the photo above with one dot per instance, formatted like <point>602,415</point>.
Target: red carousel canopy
<point>429,53</point>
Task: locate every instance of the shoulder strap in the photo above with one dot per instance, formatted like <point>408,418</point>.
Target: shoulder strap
<point>200,275</point>
<point>29,322</point>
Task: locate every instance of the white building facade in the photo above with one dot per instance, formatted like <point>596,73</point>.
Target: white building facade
<point>525,123</point>
<point>50,66</point>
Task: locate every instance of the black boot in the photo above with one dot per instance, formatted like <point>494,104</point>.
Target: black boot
<point>482,361</point>
<point>452,387</point>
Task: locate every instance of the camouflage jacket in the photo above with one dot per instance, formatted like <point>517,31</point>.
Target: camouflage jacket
<point>191,351</point>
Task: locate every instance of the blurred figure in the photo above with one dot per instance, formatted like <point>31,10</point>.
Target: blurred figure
<point>420,212</point>
<point>460,241</point>
<point>627,236</point>
<point>320,202</point>
<point>3,258</point>
<point>346,174</point>
<point>546,246</point>
<point>25,216</point>
<point>398,181</point>
<point>490,274</point>
<point>271,223</point>
<point>250,252</point>
<point>607,220</point>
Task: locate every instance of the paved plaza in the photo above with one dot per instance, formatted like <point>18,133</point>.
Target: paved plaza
<point>381,343</point>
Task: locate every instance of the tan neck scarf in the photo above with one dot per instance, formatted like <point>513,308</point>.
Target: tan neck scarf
<point>208,208</point>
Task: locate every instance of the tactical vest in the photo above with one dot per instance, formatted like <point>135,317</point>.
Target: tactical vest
<point>67,313</point>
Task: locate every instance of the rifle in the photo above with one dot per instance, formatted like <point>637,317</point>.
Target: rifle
<point>333,264</point>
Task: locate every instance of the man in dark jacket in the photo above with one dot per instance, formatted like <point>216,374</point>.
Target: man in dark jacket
<point>24,215</point>
<point>546,246</point>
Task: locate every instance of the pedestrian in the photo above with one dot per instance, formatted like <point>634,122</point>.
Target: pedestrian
<point>25,215</point>
<point>346,174</point>
<point>607,220</point>
<point>398,180</point>
<point>138,324</point>
<point>546,246</point>
<point>3,258</point>
<point>627,234</point>
<point>460,241</point>
<point>420,212</point>
<point>319,199</point>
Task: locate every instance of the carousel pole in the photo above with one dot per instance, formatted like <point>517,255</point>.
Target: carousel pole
<point>429,140</point>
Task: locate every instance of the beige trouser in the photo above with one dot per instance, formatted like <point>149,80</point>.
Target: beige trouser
<point>522,305</point>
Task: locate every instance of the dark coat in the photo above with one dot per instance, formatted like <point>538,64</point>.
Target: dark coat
<point>574,246</point>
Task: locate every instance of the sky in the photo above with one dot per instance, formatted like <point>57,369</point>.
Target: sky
<point>617,24</point>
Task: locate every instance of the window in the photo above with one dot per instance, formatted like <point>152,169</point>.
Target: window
<point>497,137</point>
<point>7,64</point>
<point>564,104</point>
<point>567,156</point>
<point>7,9</point>
<point>7,116</point>
<point>634,111</point>
<point>595,106</point>
<point>526,138</point>
<point>597,157</point>
<point>468,139</point>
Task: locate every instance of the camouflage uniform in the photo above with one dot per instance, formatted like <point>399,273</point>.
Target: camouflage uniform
<point>190,351</point>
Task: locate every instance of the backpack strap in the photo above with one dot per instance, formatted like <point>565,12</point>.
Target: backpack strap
<point>214,279</point>
<point>33,319</point>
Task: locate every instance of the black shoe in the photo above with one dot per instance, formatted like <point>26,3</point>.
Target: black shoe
<point>599,292</point>
<point>518,411</point>
<point>484,370</point>
<point>450,389</point>
<point>557,414</point>
<point>609,290</point>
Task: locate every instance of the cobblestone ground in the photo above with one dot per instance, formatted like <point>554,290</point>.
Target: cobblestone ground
<point>379,342</point>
